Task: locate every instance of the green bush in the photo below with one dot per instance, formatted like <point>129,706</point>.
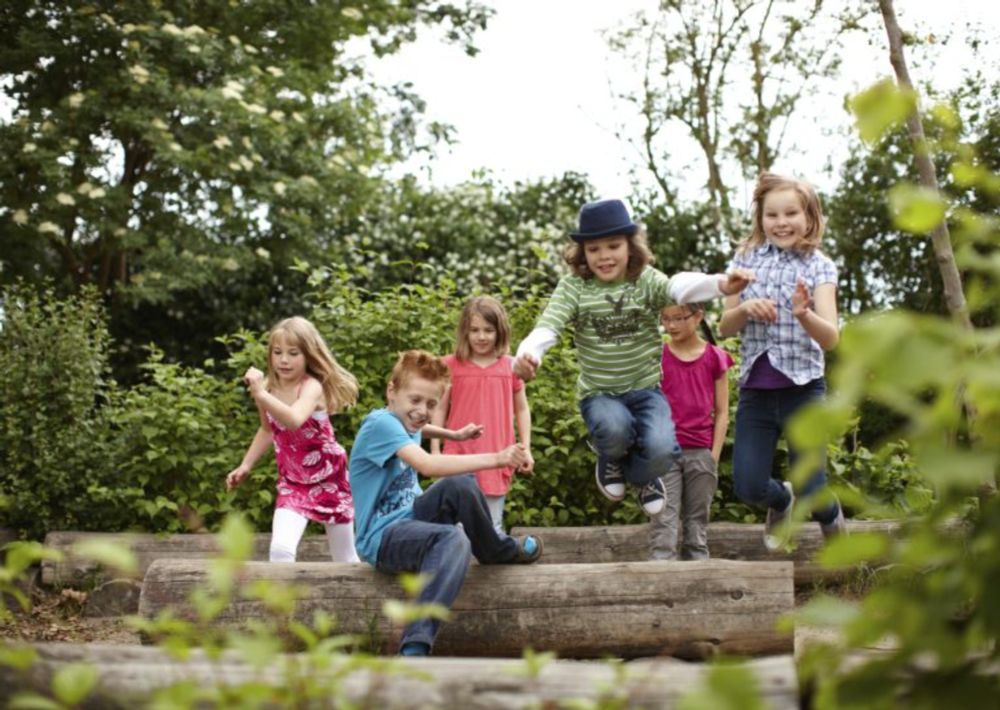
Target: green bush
<point>55,444</point>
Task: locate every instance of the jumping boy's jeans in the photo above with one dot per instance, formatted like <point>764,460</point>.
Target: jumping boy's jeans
<point>433,544</point>
<point>635,428</point>
<point>690,485</point>
<point>761,417</point>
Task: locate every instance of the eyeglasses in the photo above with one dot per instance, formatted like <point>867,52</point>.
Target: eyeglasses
<point>676,319</point>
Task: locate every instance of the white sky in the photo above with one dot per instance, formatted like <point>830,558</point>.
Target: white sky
<point>536,101</point>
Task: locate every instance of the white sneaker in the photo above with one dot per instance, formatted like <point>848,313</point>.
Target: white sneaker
<point>835,528</point>
<point>775,536</point>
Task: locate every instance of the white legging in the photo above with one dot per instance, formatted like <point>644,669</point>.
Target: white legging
<point>286,531</point>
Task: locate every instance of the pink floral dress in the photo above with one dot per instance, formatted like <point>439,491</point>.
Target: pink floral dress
<point>312,471</point>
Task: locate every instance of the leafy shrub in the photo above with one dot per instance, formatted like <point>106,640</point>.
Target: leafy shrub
<point>54,437</point>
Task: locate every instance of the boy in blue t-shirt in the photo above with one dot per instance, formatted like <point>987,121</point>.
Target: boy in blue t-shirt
<point>399,528</point>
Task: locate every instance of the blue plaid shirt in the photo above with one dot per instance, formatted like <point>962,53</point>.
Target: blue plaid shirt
<point>788,346</point>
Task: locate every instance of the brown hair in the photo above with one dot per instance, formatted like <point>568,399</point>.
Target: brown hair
<point>639,256</point>
<point>770,182</point>
<point>491,311</point>
<point>706,329</point>
<point>418,363</point>
<point>340,388</point>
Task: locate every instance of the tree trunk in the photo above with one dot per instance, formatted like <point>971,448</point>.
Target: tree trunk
<point>940,237</point>
<point>627,609</point>
<point>130,675</point>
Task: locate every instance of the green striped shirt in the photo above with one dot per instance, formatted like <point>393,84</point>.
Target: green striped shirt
<point>617,339</point>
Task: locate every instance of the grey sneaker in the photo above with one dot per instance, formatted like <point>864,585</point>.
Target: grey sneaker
<point>610,479</point>
<point>775,538</point>
<point>835,528</point>
<point>652,497</point>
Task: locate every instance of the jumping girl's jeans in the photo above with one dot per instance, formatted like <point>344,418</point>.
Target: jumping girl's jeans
<point>690,485</point>
<point>431,543</point>
<point>761,417</point>
<point>635,428</point>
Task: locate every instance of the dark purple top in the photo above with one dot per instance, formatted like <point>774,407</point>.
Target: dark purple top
<point>764,376</point>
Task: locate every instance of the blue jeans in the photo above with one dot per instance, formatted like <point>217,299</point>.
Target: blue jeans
<point>761,417</point>
<point>432,543</point>
<point>635,428</point>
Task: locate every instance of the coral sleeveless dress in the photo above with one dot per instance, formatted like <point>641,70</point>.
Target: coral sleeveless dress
<point>312,471</point>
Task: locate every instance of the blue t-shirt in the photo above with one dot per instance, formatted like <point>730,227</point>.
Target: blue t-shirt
<point>382,484</point>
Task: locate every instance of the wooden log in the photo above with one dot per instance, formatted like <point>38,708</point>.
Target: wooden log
<point>147,547</point>
<point>129,675</point>
<point>727,541</point>
<point>626,609</point>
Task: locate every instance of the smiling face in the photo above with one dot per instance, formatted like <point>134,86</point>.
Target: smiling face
<point>414,401</point>
<point>607,257</point>
<point>482,337</point>
<point>783,219</point>
<point>288,362</point>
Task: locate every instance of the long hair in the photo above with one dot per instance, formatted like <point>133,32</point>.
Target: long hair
<point>491,311</point>
<point>769,182</point>
<point>340,388</point>
<point>639,256</point>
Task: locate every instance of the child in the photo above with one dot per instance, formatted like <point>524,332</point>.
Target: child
<point>400,528</point>
<point>614,299</point>
<point>484,389</point>
<point>304,385</point>
<point>788,318</point>
<point>697,389</point>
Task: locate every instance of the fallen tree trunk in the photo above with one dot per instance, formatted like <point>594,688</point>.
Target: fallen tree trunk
<point>128,676</point>
<point>626,609</point>
<point>727,541</point>
<point>147,547</point>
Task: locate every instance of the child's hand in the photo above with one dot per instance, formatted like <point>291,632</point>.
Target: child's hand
<point>514,456</point>
<point>737,280</point>
<point>762,309</point>
<point>236,476</point>
<point>801,299</point>
<point>254,379</point>
<point>469,431</point>
<point>528,466</point>
<point>525,367</point>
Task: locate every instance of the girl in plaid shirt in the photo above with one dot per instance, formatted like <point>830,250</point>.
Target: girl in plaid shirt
<point>787,318</point>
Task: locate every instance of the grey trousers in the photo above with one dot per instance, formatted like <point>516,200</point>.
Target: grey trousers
<point>690,484</point>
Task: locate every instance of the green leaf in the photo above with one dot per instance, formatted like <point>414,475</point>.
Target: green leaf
<point>236,538</point>
<point>825,610</point>
<point>72,683</point>
<point>848,550</point>
<point>728,686</point>
<point>108,554</point>
<point>916,209</point>
<point>881,107</point>
<point>31,701</point>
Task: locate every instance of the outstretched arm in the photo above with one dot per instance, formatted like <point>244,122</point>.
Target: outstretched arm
<point>440,465</point>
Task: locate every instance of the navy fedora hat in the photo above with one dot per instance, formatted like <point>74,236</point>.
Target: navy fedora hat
<point>604,218</point>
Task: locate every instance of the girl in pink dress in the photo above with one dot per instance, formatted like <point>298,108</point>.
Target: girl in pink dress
<point>302,387</point>
<point>485,392</point>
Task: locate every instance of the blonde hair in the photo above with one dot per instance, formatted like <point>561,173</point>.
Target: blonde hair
<point>340,388</point>
<point>418,363</point>
<point>639,256</point>
<point>491,311</point>
<point>771,182</point>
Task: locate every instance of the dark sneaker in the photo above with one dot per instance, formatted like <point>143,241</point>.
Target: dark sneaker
<point>775,532</point>
<point>529,549</point>
<point>610,479</point>
<point>836,528</point>
<point>652,497</point>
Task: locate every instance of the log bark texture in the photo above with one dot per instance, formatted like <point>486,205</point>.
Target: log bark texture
<point>147,547</point>
<point>728,541</point>
<point>626,609</point>
<point>129,675</point>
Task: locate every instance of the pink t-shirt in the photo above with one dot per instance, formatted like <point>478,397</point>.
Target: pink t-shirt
<point>484,395</point>
<point>690,390</point>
